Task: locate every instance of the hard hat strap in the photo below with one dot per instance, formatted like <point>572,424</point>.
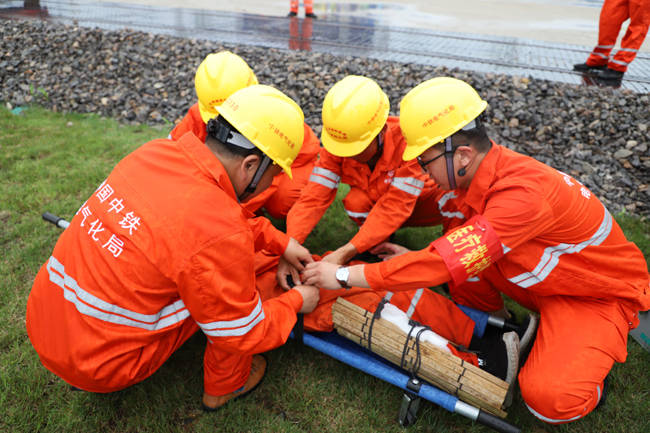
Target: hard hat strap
<point>449,157</point>
<point>261,169</point>
<point>230,136</point>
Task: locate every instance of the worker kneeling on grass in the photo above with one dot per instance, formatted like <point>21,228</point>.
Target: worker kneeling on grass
<point>218,76</point>
<point>363,148</point>
<point>163,249</point>
<point>533,233</point>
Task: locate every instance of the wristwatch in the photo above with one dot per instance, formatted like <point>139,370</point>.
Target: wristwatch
<point>342,276</point>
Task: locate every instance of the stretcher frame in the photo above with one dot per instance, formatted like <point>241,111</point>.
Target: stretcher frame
<point>344,350</point>
<point>350,353</point>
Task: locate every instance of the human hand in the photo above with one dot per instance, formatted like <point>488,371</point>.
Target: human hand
<point>296,255</point>
<point>321,274</point>
<point>388,250</point>
<point>285,269</point>
<point>341,255</point>
<point>310,298</point>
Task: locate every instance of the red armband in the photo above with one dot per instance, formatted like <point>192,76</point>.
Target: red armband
<point>469,249</point>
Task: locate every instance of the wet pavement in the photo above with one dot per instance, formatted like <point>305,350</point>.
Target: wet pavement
<point>340,33</point>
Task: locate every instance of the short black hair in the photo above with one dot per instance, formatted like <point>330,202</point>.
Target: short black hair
<point>214,143</point>
<point>477,136</point>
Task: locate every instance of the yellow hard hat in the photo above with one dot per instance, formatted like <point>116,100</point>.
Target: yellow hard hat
<point>218,76</point>
<point>269,119</point>
<point>435,110</point>
<point>354,111</point>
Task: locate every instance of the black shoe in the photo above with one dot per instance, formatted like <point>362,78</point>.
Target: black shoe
<point>610,75</point>
<point>498,354</point>
<point>291,14</point>
<point>583,67</point>
<point>311,15</point>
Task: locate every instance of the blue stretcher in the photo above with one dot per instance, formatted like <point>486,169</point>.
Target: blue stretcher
<point>344,350</point>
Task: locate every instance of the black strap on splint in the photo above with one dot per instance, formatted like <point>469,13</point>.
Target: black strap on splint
<point>415,368</point>
<point>410,400</point>
<point>375,315</point>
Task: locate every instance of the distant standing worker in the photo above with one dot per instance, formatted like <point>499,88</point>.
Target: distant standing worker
<point>309,8</point>
<point>612,16</point>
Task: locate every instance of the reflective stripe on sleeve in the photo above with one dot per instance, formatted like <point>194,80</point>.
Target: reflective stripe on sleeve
<point>325,177</point>
<point>410,185</point>
<point>414,302</point>
<point>357,214</point>
<point>91,305</point>
<point>236,327</point>
<point>551,255</point>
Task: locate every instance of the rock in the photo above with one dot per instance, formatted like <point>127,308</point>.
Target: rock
<point>622,153</point>
<point>599,136</point>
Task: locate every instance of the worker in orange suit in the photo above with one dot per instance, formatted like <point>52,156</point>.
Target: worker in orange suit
<point>162,249</point>
<point>612,16</point>
<point>533,233</point>
<point>309,8</point>
<point>218,76</point>
<point>363,148</point>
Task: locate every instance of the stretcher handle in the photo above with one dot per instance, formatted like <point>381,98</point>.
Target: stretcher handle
<point>57,221</point>
<point>496,423</point>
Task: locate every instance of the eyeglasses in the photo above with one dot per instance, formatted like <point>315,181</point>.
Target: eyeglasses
<point>424,164</point>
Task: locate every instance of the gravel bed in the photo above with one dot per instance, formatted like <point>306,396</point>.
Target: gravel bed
<point>598,135</point>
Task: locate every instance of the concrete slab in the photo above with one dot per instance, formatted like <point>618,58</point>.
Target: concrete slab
<point>564,21</point>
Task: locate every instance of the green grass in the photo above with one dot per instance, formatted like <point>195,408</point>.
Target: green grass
<point>53,162</point>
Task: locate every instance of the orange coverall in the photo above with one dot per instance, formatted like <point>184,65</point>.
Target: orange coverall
<point>612,16</point>
<point>422,305</point>
<point>558,252</point>
<point>160,250</point>
<point>395,194</point>
<point>278,198</point>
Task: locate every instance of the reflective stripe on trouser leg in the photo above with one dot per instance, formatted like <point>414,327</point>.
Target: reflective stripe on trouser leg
<point>612,16</point>
<point>634,36</point>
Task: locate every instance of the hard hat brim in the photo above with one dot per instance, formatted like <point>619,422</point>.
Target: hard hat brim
<point>412,152</point>
<point>346,149</point>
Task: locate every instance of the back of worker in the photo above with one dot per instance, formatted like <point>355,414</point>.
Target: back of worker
<point>161,249</point>
<point>217,77</point>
